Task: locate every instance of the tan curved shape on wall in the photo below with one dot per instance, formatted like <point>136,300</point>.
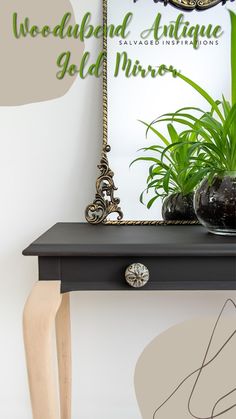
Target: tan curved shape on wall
<point>28,66</point>
<point>175,354</point>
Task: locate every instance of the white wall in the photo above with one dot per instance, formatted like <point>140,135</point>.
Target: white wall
<point>48,158</point>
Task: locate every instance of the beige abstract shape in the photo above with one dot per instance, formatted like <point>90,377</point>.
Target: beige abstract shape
<point>29,65</point>
<point>169,381</point>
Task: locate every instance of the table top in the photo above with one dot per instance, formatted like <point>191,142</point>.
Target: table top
<point>83,239</point>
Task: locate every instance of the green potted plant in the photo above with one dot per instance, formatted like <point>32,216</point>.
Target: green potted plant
<point>213,135</point>
<point>170,175</point>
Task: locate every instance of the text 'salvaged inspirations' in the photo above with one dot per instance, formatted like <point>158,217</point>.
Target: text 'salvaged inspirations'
<point>178,31</point>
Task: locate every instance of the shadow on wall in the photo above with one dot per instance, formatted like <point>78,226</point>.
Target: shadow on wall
<point>189,371</point>
<point>29,65</point>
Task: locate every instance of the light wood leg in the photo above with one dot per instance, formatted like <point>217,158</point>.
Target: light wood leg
<point>38,324</point>
<point>63,333</point>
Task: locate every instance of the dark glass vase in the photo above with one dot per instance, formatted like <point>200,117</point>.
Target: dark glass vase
<point>215,204</point>
<point>178,207</point>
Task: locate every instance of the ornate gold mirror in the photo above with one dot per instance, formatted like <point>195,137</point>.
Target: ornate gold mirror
<point>146,157</point>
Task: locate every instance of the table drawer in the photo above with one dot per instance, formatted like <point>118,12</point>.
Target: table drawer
<point>165,273</point>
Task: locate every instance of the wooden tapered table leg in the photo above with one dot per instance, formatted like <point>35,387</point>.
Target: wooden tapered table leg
<point>63,334</point>
<point>38,324</point>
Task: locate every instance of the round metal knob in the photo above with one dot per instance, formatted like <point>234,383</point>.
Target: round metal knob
<point>137,275</point>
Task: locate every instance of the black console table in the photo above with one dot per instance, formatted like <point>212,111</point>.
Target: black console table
<point>78,256</point>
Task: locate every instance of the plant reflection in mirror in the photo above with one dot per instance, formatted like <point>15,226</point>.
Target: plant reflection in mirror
<point>170,175</point>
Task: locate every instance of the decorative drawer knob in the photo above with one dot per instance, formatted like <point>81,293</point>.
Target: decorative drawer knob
<point>137,275</point>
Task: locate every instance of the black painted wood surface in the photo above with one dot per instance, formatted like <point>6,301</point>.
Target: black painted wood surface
<point>86,257</point>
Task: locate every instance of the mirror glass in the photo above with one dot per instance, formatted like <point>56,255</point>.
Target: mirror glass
<point>196,44</point>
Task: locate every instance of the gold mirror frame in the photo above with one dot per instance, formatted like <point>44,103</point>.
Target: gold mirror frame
<point>105,202</point>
